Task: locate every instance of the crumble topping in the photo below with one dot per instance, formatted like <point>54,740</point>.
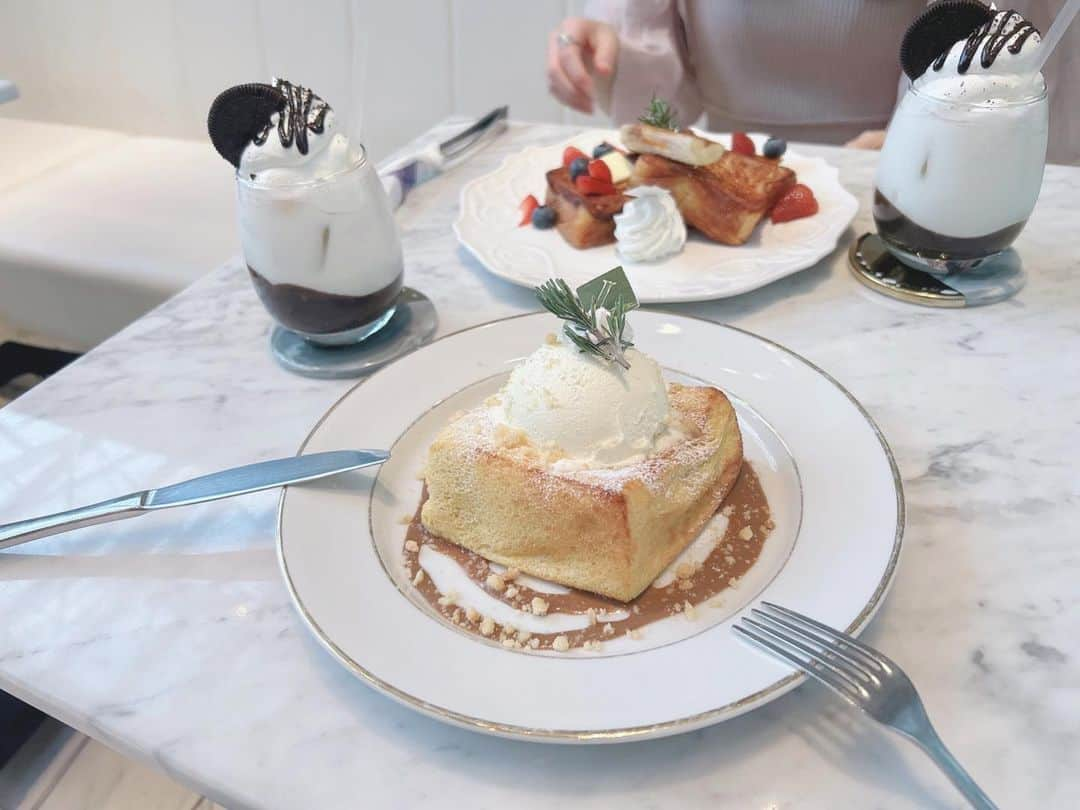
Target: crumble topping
<point>690,586</point>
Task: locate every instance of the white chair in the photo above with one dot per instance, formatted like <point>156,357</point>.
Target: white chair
<point>97,227</point>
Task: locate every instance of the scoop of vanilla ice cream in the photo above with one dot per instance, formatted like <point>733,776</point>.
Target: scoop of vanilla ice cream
<point>593,411</point>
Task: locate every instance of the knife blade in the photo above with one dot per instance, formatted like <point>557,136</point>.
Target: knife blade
<point>263,475</point>
<point>402,177</point>
<point>223,484</point>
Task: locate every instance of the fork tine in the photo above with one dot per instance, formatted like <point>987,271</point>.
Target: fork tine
<point>828,646</point>
<point>835,684</point>
<point>871,655</point>
<point>815,655</point>
<point>818,669</point>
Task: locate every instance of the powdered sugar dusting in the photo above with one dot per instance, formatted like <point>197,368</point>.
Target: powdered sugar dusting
<point>484,431</point>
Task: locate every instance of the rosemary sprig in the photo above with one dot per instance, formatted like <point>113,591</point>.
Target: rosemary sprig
<point>583,324</point>
<point>660,114</point>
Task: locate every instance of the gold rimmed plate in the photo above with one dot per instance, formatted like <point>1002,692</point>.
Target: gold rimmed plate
<point>825,467</point>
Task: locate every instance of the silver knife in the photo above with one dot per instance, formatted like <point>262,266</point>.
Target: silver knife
<point>224,484</point>
<point>400,178</point>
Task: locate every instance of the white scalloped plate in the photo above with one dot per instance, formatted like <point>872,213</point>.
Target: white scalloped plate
<point>488,216</point>
<point>826,469</point>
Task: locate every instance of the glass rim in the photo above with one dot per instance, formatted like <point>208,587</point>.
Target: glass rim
<point>985,105</point>
<point>251,182</point>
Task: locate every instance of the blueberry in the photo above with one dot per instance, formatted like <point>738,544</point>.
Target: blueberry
<point>578,166</point>
<point>602,150</point>
<point>544,216</point>
<point>774,147</point>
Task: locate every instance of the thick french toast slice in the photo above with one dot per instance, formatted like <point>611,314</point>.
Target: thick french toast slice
<point>724,200</point>
<point>683,146</point>
<point>608,531</point>
<point>584,221</point>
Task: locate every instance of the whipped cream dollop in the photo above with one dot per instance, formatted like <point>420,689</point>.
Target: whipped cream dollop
<point>300,143</point>
<point>991,65</point>
<point>592,412</point>
<point>650,226</point>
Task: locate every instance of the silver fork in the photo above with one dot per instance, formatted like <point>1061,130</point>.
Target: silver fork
<point>862,676</point>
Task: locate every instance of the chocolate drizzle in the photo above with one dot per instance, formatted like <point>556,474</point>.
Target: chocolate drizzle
<point>303,112</point>
<point>1006,28</point>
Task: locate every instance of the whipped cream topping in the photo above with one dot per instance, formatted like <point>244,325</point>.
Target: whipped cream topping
<point>590,412</point>
<point>299,144</point>
<point>992,65</point>
<point>650,226</point>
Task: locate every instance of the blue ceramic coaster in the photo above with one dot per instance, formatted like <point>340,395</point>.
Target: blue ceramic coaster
<point>413,325</point>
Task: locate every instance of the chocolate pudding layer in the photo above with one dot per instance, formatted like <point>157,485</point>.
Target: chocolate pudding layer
<point>312,312</point>
<point>897,229</point>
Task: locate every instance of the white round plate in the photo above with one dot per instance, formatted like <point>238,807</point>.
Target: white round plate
<point>487,225</point>
<point>826,470</point>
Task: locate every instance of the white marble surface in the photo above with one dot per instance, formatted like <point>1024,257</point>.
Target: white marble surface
<point>171,638</point>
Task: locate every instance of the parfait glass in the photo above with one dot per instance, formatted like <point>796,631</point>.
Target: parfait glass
<point>957,181</point>
<point>323,254</point>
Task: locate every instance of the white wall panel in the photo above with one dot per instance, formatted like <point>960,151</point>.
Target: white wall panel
<point>499,52</point>
<point>109,64</point>
<point>218,47</point>
<point>408,86</point>
<point>153,66</point>
<point>306,47</point>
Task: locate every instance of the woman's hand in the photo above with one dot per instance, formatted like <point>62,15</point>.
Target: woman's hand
<point>870,139</point>
<point>577,49</point>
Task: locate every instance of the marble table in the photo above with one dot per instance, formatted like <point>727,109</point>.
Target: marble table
<point>172,639</point>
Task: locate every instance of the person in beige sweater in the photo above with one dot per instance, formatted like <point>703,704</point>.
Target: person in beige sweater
<point>815,70</point>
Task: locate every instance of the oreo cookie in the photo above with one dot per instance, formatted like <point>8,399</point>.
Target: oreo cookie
<point>936,30</point>
<point>239,114</point>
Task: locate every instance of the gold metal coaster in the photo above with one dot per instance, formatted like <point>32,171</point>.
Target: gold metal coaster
<point>873,265</point>
<point>995,279</point>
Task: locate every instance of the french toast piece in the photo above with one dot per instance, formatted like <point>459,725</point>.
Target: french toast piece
<point>608,531</point>
<point>724,200</point>
<point>683,145</point>
<point>584,221</point>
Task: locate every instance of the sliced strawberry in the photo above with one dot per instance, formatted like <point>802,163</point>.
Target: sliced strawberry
<point>797,202</point>
<point>590,186</point>
<point>741,143</point>
<point>570,154</point>
<point>526,207</point>
<point>600,170</point>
